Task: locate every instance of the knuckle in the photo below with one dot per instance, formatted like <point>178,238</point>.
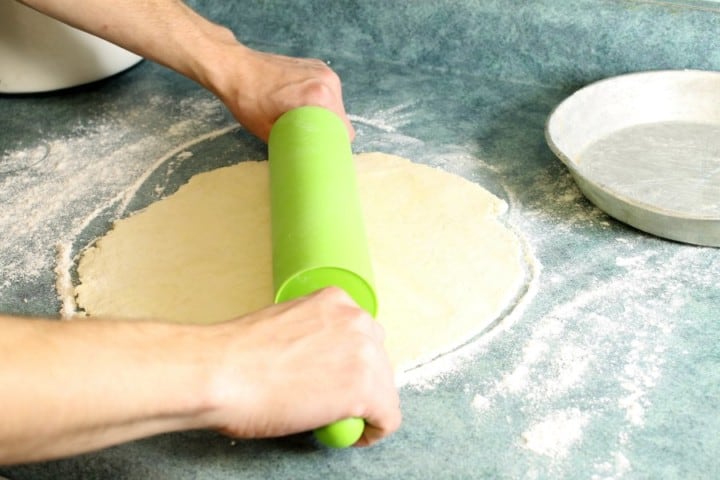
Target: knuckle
<point>367,350</point>
<point>394,423</point>
<point>361,357</point>
<point>336,296</point>
<point>379,330</point>
<point>333,292</point>
<point>361,325</point>
<point>324,71</point>
<point>319,92</point>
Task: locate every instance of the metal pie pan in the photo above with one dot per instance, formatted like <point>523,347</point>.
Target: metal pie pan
<point>645,148</point>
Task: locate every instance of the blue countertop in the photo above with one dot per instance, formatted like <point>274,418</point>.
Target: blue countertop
<point>609,367</point>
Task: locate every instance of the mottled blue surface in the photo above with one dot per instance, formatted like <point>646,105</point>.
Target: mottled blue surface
<point>543,41</point>
<point>621,337</point>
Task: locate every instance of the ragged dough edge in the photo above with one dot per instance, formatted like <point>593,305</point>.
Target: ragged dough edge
<point>63,280</point>
<point>64,258</point>
<point>496,207</point>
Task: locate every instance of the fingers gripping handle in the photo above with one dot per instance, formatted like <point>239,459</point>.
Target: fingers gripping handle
<point>342,433</point>
<point>318,236</point>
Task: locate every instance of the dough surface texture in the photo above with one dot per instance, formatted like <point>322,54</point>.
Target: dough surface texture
<point>444,266</point>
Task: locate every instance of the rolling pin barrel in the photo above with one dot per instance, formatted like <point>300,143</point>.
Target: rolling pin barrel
<point>318,236</point>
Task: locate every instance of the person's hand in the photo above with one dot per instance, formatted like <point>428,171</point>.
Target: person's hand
<point>285,369</point>
<point>300,365</point>
<point>258,87</point>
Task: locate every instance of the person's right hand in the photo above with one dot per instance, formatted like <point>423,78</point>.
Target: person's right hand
<point>301,365</point>
<point>258,87</point>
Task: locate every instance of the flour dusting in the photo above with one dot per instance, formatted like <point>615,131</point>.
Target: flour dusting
<point>555,435</point>
<point>388,120</point>
<point>63,282</point>
<point>597,355</point>
<point>49,189</point>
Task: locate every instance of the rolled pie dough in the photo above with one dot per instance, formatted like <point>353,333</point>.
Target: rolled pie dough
<point>444,266</point>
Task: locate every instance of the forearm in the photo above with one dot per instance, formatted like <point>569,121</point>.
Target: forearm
<point>165,31</point>
<point>74,386</point>
<point>256,87</point>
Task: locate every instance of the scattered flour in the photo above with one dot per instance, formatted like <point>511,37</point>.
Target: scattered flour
<point>63,280</point>
<point>616,467</point>
<point>388,120</point>
<point>480,403</point>
<point>609,337</point>
<point>554,435</point>
<point>49,189</point>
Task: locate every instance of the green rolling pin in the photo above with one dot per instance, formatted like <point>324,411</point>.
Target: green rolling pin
<point>318,236</point>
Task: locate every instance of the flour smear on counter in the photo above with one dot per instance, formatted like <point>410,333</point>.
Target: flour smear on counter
<point>594,358</point>
<point>49,189</point>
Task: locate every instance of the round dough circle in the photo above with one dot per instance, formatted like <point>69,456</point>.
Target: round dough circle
<point>444,267</point>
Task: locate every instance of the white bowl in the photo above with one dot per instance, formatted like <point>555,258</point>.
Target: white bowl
<point>39,54</point>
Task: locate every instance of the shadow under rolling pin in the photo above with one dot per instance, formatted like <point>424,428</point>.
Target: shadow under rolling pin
<point>318,236</point>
